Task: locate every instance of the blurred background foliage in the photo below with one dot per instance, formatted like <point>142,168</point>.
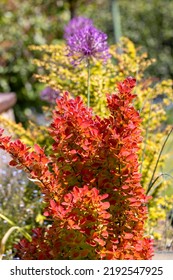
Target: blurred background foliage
<point>20,205</point>
<point>24,23</point>
<point>148,23</point>
<point>35,22</point>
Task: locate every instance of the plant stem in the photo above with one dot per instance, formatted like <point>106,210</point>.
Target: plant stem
<point>154,171</point>
<point>7,219</point>
<point>145,141</point>
<point>88,83</point>
<point>4,240</point>
<point>155,180</point>
<point>22,230</point>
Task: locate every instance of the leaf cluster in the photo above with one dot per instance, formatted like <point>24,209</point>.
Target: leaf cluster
<point>90,181</point>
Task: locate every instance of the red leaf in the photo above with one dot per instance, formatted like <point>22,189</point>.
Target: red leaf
<point>128,235</point>
<point>105,205</point>
<point>13,163</point>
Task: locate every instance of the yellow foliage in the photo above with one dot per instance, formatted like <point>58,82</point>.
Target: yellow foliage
<point>30,136</point>
<point>159,208</point>
<point>157,236</point>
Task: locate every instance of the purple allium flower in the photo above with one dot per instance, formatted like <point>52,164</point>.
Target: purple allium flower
<point>76,24</point>
<point>50,95</point>
<point>87,43</point>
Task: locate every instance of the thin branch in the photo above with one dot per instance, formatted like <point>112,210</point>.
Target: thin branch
<point>145,141</point>
<point>155,180</point>
<point>88,83</point>
<point>154,171</point>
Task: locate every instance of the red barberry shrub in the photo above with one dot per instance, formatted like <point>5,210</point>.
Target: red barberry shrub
<point>91,182</point>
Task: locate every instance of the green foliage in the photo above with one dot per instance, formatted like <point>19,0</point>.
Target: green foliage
<point>149,23</point>
<point>18,204</point>
<point>24,23</point>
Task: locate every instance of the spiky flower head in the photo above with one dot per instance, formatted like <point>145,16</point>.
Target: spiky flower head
<point>87,43</point>
<point>76,24</point>
<point>50,95</point>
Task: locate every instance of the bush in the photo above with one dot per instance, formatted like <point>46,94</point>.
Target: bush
<point>64,161</point>
<point>90,181</point>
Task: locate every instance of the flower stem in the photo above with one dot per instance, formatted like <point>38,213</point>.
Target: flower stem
<point>154,171</point>
<point>88,83</point>
<point>22,230</point>
<point>145,140</point>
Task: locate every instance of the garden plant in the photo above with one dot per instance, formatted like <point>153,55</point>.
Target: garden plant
<point>153,99</point>
<point>95,161</point>
<point>90,181</point>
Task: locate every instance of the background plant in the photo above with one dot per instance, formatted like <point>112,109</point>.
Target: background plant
<point>40,22</point>
<point>19,208</point>
<point>24,23</point>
